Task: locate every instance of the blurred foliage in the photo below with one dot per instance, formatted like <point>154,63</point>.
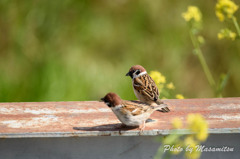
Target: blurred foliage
<point>177,142</point>
<point>79,50</point>
<point>166,90</point>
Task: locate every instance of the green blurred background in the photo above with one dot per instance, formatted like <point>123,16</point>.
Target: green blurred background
<point>79,50</point>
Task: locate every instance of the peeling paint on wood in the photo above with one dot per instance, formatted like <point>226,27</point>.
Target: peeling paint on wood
<point>67,119</point>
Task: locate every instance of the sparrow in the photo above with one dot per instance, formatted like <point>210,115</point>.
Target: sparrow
<point>130,113</point>
<point>144,87</point>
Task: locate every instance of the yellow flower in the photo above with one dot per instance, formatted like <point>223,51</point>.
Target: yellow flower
<point>189,141</point>
<point>202,135</point>
<point>220,36</point>
<point>157,77</point>
<point>226,33</point>
<point>177,123</point>
<point>220,16</point>
<point>193,13</point>
<point>191,144</point>
<point>198,125</point>
<point>162,79</point>
<point>170,86</point>
<point>225,8</point>
<point>232,35</point>
<point>179,96</point>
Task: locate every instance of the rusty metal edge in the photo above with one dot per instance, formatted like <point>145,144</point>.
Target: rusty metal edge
<point>110,133</point>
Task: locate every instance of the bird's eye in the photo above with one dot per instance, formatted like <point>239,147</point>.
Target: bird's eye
<point>137,72</point>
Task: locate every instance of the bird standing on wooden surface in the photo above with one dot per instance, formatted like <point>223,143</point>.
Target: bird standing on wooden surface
<point>144,87</point>
<point>130,113</point>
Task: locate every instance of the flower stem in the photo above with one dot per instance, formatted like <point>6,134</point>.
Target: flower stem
<point>202,61</point>
<point>236,25</point>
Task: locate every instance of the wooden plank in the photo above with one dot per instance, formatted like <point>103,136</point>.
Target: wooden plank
<point>92,118</point>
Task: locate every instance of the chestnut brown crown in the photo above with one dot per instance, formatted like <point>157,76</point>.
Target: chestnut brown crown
<point>112,99</point>
<point>137,69</point>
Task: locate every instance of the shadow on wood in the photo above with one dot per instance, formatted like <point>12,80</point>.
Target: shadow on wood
<point>106,127</point>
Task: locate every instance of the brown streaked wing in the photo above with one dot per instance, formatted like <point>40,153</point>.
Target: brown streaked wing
<point>145,85</point>
<point>138,84</point>
<point>135,108</point>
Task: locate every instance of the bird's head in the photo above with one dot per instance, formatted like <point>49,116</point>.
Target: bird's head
<point>135,71</point>
<point>112,99</point>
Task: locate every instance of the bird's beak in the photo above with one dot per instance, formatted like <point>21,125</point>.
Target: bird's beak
<point>128,74</point>
<point>101,100</point>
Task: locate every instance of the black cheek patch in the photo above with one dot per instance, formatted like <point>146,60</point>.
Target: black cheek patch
<point>137,72</point>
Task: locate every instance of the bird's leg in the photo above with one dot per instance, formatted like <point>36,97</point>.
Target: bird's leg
<point>122,126</point>
<point>142,126</point>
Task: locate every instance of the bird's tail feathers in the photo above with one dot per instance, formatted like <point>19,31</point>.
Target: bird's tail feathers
<point>162,108</point>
